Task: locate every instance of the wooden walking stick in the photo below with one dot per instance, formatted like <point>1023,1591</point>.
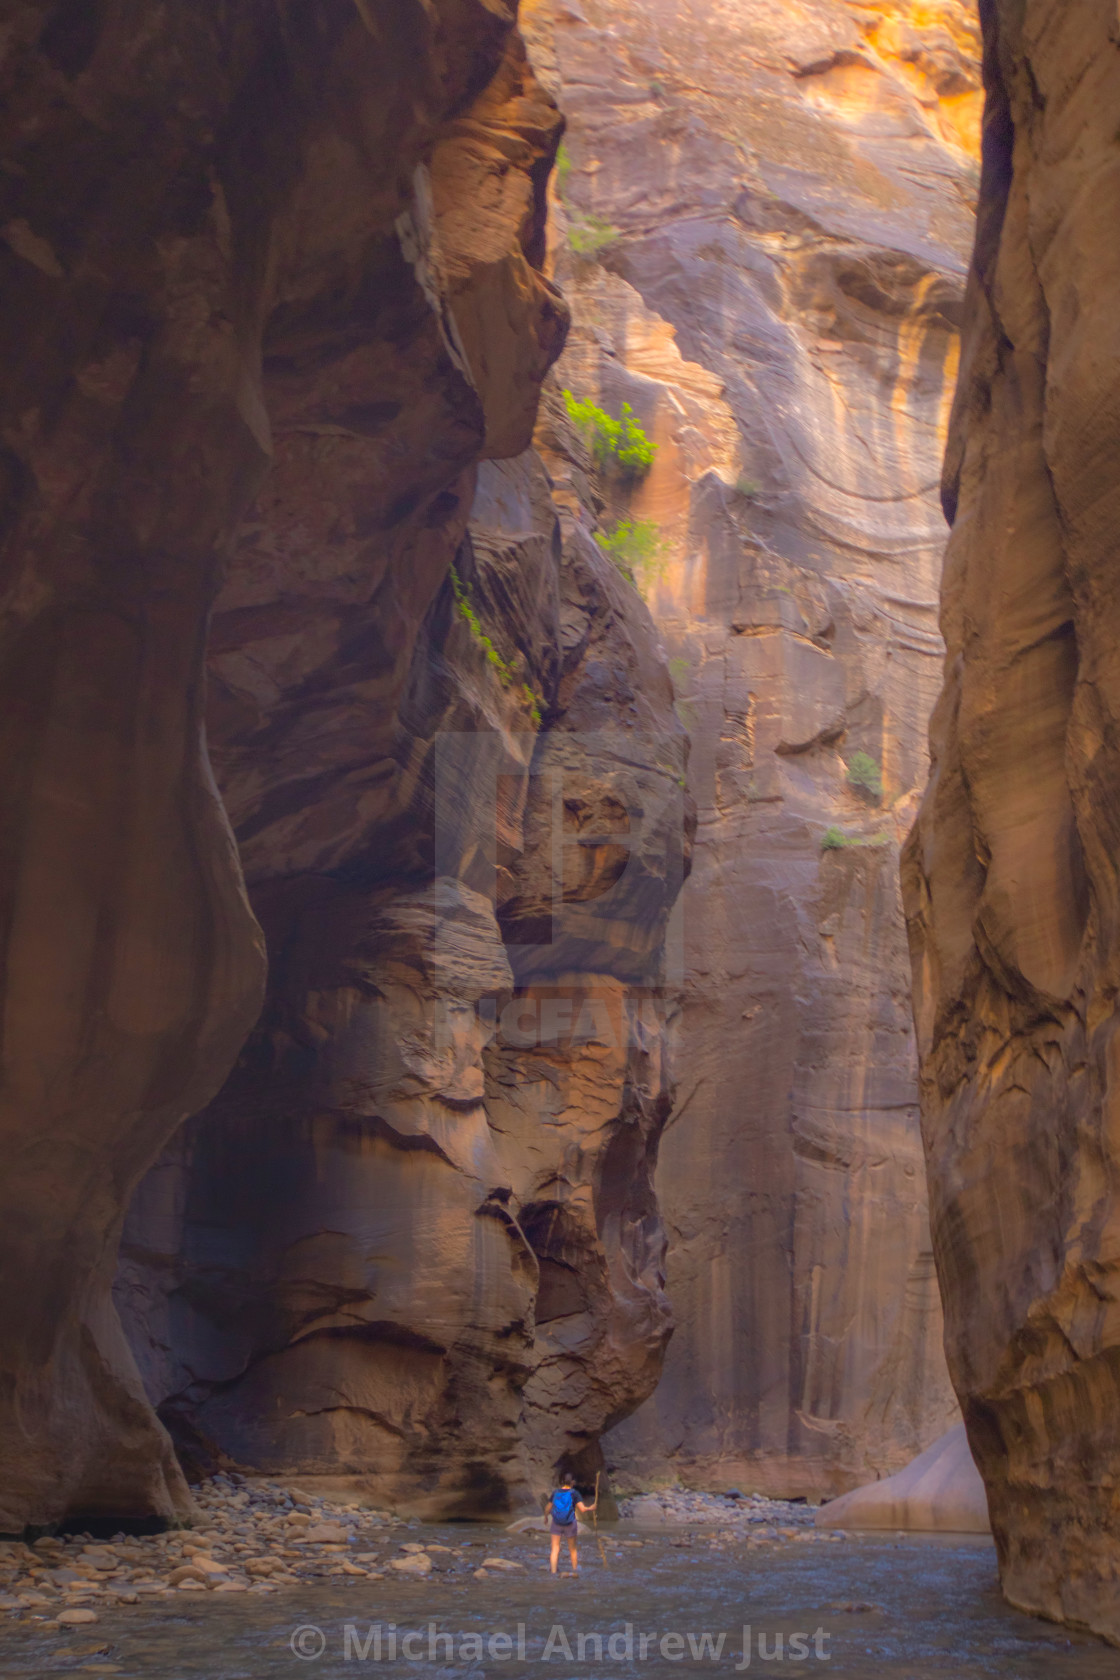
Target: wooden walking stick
<point>595,1519</point>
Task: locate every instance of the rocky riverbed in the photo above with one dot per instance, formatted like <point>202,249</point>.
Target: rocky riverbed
<point>751,1516</point>
<point>260,1537</point>
<point>872,1609</point>
<point>252,1537</point>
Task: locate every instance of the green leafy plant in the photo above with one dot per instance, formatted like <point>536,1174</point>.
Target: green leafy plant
<point>657,89</point>
<point>864,773</point>
<point>616,445</point>
<point>681,671</point>
<point>563,169</point>
<point>749,488</point>
<point>835,840</point>
<point>588,235</point>
<point>636,548</point>
<point>506,673</point>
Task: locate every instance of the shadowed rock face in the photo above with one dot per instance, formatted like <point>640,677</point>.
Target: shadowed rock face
<point>1010,882</point>
<point>230,234</point>
<point>782,194</point>
<point>414,1244</point>
<point>133,437</point>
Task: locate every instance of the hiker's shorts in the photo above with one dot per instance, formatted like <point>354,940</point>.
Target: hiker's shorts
<point>569,1529</point>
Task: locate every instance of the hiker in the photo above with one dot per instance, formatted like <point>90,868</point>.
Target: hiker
<point>563,1509</point>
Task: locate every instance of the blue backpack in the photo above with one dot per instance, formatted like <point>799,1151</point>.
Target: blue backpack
<point>564,1505</point>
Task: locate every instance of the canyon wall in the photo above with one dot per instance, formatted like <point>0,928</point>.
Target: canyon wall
<point>1011,878</point>
<point>764,214</point>
<point>308,237</point>
<point>412,1247</point>
<point>133,438</point>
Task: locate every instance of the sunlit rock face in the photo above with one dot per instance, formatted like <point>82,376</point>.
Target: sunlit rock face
<point>1010,877</point>
<point>781,197</point>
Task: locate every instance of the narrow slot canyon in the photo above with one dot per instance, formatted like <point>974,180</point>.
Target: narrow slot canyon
<point>557,870</point>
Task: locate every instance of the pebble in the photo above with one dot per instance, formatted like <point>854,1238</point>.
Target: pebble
<point>416,1563</point>
<point>254,1537</point>
<point>739,1515</point>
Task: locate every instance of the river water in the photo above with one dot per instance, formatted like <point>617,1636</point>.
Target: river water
<point>892,1609</point>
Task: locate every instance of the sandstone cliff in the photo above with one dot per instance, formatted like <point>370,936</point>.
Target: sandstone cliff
<point>133,438</point>
<point>306,236</point>
<point>414,1239</point>
<point>765,214</point>
<point>413,1244</point>
<point>1010,883</point>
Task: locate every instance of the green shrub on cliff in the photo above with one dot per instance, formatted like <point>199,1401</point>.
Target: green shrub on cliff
<point>588,235</point>
<point>619,446</point>
<point>505,671</point>
<point>636,548</point>
<point>864,774</point>
<point>563,168</point>
<point>835,840</point>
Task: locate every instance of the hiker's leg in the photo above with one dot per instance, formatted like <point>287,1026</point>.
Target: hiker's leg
<point>574,1555</point>
<point>555,1558</point>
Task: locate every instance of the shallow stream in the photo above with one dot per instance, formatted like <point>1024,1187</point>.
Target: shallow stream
<point>900,1609</point>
